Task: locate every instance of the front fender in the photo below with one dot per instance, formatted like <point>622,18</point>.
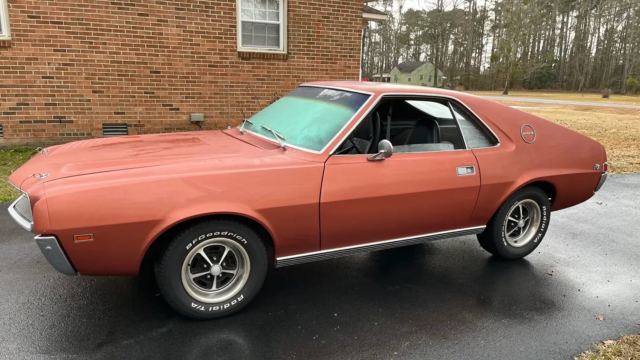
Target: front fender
<point>179,216</point>
<point>127,211</point>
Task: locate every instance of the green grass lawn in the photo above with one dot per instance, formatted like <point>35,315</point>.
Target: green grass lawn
<point>627,348</point>
<point>569,96</point>
<point>10,160</point>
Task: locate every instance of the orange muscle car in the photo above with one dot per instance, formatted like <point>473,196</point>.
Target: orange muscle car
<point>331,169</point>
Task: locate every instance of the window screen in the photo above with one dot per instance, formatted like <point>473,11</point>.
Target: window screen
<point>261,23</point>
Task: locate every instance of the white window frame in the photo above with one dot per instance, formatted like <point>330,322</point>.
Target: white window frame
<point>283,30</point>
<point>409,79</point>
<point>421,77</point>
<point>5,31</point>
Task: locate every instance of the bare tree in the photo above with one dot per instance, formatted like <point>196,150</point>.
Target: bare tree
<point>566,44</point>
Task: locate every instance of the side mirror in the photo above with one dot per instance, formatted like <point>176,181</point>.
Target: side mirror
<point>385,150</point>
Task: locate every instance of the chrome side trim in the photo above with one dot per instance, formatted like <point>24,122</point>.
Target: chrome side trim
<point>417,95</point>
<point>380,245</point>
<point>55,256</point>
<point>24,223</point>
<point>603,178</point>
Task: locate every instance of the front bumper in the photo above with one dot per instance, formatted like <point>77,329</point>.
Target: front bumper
<point>54,254</point>
<point>20,211</point>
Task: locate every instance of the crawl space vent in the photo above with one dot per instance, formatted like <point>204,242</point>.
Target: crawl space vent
<point>109,130</point>
<point>1,131</point>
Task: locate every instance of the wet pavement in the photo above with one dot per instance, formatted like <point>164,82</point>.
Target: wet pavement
<point>444,300</point>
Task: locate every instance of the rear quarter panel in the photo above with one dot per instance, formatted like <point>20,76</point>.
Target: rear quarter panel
<point>127,210</point>
<point>558,155</point>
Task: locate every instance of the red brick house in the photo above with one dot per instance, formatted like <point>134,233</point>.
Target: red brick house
<point>74,69</point>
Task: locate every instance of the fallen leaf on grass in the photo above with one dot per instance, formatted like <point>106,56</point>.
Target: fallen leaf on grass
<point>599,317</point>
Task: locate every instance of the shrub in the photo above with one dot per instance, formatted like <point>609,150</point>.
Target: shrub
<point>458,88</point>
<point>633,85</point>
<point>606,93</point>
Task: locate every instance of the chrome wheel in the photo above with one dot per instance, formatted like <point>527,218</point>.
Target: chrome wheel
<point>522,223</point>
<point>215,270</point>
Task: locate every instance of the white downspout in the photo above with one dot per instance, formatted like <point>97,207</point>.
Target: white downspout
<point>361,47</point>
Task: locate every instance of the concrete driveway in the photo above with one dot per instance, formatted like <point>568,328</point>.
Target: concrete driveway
<point>560,102</point>
<point>444,300</point>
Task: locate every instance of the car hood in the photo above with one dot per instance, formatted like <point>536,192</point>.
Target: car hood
<point>129,152</point>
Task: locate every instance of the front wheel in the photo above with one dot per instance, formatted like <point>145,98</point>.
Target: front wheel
<point>518,226</point>
<point>212,269</point>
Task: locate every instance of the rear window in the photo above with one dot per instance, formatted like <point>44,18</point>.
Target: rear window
<point>474,135</point>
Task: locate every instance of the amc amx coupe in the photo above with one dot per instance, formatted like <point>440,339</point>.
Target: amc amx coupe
<point>329,170</point>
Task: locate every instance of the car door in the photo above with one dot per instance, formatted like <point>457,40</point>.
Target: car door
<point>407,195</point>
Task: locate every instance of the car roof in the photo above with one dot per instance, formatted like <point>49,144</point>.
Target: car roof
<point>383,88</point>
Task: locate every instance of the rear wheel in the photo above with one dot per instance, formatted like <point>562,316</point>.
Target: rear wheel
<point>212,269</point>
<point>518,226</point>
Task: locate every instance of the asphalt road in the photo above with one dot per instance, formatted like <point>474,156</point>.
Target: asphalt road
<point>560,102</point>
<point>444,300</point>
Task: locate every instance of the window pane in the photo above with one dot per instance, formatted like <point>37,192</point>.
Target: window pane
<point>273,16</point>
<point>273,29</point>
<point>247,27</point>
<point>247,4</point>
<point>273,41</point>
<point>260,35</point>
<point>474,135</point>
<point>260,29</point>
<point>274,5</point>
<point>247,40</point>
<point>247,14</point>
<point>260,15</point>
<point>261,4</point>
<point>260,40</point>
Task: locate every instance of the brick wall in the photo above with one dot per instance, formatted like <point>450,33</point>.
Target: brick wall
<point>73,65</point>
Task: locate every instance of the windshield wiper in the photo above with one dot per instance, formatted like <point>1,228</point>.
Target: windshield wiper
<point>277,136</point>
<point>244,122</point>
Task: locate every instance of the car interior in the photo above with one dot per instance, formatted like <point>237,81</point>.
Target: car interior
<point>410,125</point>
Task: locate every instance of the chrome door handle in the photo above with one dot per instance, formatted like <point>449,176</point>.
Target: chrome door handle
<point>466,170</point>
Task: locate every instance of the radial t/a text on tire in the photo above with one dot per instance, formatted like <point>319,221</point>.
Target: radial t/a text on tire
<point>519,225</point>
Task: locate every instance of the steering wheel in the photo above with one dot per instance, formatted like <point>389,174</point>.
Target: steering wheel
<point>374,133</point>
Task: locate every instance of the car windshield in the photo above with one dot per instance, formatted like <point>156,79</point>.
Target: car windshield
<point>308,117</point>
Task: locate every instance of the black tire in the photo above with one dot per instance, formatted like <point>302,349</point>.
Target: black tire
<point>171,265</point>
<point>494,239</point>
